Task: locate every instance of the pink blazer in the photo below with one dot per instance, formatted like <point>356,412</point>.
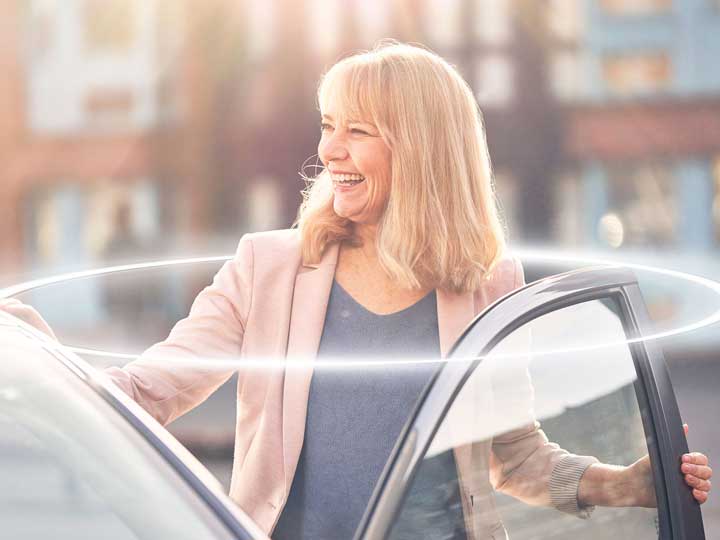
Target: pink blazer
<point>265,303</point>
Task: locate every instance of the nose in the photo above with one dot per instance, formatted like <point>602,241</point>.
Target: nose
<point>332,147</point>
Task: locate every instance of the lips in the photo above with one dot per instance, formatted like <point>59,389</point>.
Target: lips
<point>347,179</point>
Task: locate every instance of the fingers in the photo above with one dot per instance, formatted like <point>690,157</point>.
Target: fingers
<point>700,496</point>
<point>695,458</point>
<point>12,304</point>
<point>700,471</point>
<point>697,475</point>
<point>697,472</point>
<point>8,302</point>
<point>26,313</point>
<point>697,483</point>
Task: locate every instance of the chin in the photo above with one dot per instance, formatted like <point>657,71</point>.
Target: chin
<point>345,212</point>
<point>357,213</point>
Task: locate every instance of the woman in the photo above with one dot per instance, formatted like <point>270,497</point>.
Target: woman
<point>398,235</point>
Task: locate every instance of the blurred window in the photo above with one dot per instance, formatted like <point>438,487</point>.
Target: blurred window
<point>169,103</point>
<point>263,204</point>
<point>73,223</point>
<point>42,219</point>
<point>261,23</point>
<point>42,29</point>
<point>56,219</point>
<point>54,215</point>
<point>569,224</point>
<point>493,22</point>
<point>565,19</point>
<point>442,22</point>
<point>373,17</point>
<point>170,34</point>
<point>325,22</point>
<point>110,25</point>
<point>494,81</point>
<point>636,7</point>
<point>170,30</point>
<point>95,69</point>
<point>109,108</point>
<point>585,401</point>
<point>641,207</point>
<point>52,97</point>
<point>566,74</point>
<point>637,73</point>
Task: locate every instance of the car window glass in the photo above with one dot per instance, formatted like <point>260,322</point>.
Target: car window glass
<point>71,467</point>
<point>488,469</point>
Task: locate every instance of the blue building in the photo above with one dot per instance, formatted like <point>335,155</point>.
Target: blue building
<point>641,84</point>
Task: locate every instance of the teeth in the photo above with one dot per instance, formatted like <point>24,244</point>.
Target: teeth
<point>348,178</point>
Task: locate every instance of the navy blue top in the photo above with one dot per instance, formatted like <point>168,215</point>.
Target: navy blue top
<point>355,414</point>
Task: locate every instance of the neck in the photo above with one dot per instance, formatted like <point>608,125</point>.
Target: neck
<point>366,235</point>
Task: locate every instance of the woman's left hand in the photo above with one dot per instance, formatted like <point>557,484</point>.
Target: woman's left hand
<point>25,313</point>
<point>697,473</point>
<point>607,485</point>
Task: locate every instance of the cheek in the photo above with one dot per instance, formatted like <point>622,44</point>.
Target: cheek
<point>383,176</point>
<point>321,151</point>
<point>385,164</point>
<point>378,163</point>
<point>379,191</point>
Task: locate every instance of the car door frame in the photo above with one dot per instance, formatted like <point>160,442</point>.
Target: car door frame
<point>679,515</point>
<point>205,486</point>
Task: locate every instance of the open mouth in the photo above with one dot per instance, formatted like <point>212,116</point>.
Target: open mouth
<point>347,179</point>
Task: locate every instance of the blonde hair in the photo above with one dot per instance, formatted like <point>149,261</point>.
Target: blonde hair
<point>440,227</point>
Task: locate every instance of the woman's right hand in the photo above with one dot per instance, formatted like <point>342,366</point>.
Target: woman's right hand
<point>26,313</point>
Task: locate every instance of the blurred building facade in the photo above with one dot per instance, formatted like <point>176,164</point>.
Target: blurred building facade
<point>603,116</point>
<point>642,134</point>
<point>107,106</point>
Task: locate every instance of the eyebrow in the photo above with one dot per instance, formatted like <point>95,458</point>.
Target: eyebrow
<point>349,120</point>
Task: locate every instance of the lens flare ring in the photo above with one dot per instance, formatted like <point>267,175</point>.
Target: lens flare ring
<point>525,255</point>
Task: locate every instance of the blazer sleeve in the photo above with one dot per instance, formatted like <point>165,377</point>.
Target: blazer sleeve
<point>179,373</point>
<point>523,463</point>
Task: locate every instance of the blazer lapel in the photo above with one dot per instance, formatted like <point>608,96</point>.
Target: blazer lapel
<point>455,311</point>
<point>309,304</point>
<point>307,318</point>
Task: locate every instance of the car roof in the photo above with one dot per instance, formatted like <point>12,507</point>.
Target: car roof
<point>16,335</point>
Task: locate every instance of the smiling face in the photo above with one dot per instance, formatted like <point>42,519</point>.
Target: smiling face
<point>359,163</point>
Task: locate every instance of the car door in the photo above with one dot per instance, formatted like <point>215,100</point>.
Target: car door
<point>561,360</point>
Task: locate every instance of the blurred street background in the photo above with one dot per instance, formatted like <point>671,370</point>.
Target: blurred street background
<point>135,130</point>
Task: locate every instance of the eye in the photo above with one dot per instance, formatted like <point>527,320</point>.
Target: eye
<point>324,126</point>
<point>359,131</point>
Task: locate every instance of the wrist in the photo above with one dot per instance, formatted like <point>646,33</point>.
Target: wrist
<point>611,485</point>
<point>606,485</point>
<point>565,482</point>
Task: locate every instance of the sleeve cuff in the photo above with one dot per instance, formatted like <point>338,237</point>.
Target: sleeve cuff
<point>564,482</point>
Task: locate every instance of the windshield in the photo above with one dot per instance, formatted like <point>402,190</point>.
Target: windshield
<point>72,467</point>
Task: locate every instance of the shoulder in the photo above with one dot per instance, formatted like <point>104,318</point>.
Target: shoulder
<point>505,276</point>
<point>270,252</point>
<point>269,245</point>
<point>507,273</point>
